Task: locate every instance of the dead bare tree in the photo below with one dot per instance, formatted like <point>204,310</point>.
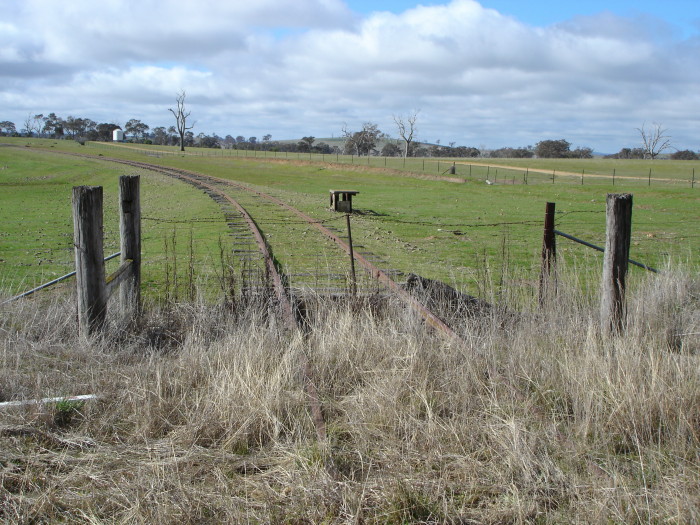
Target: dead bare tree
<point>28,125</point>
<point>181,116</point>
<point>406,128</point>
<point>347,136</point>
<point>654,140</point>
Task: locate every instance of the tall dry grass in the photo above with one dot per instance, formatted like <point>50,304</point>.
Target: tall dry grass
<point>203,415</point>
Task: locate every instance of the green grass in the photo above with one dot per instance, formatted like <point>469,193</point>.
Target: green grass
<point>452,231</point>
<point>594,171</point>
<point>461,233</point>
<point>35,210</point>
<point>202,412</point>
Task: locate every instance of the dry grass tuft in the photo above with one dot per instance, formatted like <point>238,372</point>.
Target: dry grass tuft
<point>203,416</point>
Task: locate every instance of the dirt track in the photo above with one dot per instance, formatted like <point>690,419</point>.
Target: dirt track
<point>562,173</point>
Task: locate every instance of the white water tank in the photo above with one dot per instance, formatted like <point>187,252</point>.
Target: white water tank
<point>118,135</point>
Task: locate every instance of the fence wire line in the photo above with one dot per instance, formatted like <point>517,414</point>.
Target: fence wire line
<point>460,225</point>
<point>641,176</point>
<point>52,282</point>
<point>369,218</point>
<point>220,220</point>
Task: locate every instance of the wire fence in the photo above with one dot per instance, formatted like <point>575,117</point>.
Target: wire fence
<point>519,238</point>
<point>600,172</point>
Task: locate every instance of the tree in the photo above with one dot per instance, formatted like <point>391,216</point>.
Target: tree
<point>581,153</point>
<point>390,150</point>
<point>53,126</point>
<point>654,140</point>
<point>552,149</point>
<point>407,129</point>
<point>7,128</point>
<point>172,136</point>
<point>323,148</point>
<point>465,151</point>
<point>33,124</point>
<point>305,144</point>
<point>685,154</point>
<point>28,125</point>
<point>181,116</point>
<point>206,141</point>
<point>511,153</point>
<point>229,141</point>
<point>38,123</point>
<point>136,128</point>
<point>105,131</point>
<point>77,126</point>
<point>361,142</point>
<point>160,136</point>
<point>627,153</point>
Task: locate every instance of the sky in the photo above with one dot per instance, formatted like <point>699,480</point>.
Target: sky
<point>488,74</point>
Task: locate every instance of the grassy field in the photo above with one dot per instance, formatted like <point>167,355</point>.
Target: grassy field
<point>35,210</point>
<point>202,413</point>
<point>628,173</point>
<point>457,230</point>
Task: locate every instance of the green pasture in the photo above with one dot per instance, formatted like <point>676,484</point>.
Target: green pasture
<point>594,171</point>
<point>463,230</point>
<point>458,231</point>
<point>37,227</point>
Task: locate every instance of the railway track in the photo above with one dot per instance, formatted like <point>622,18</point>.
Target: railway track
<point>215,187</point>
<point>212,186</point>
<point>251,246</point>
<point>218,189</point>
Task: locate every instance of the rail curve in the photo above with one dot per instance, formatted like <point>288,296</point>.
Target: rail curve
<point>379,274</point>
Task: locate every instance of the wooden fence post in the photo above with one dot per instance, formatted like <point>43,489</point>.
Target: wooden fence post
<point>618,230</point>
<point>89,258</point>
<point>130,232</point>
<point>549,251</point>
<point>353,284</point>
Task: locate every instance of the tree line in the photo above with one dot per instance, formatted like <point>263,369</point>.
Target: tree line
<point>77,128</point>
<point>367,140</point>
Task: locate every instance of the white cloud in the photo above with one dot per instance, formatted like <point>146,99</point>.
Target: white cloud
<point>305,67</point>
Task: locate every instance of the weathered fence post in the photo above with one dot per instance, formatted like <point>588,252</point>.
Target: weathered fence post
<point>618,230</point>
<point>89,258</point>
<point>353,285</point>
<point>130,230</point>
<point>549,251</point>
